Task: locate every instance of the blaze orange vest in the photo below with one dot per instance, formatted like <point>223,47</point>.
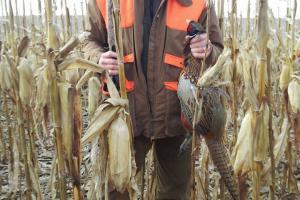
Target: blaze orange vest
<point>176,19</point>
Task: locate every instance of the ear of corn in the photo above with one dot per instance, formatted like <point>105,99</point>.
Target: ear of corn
<point>294,95</point>
<point>242,151</point>
<point>23,46</point>
<point>94,94</point>
<point>119,153</point>
<point>211,75</point>
<point>42,86</point>
<point>285,74</point>
<point>25,81</point>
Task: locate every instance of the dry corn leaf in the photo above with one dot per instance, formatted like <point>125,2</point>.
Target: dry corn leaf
<point>294,95</point>
<point>103,117</point>
<point>274,24</point>
<point>201,173</point>
<point>33,60</point>
<point>84,79</point>
<point>248,81</point>
<point>279,146</point>
<point>242,152</point>
<point>71,76</point>
<point>113,92</point>
<point>79,63</point>
<point>119,153</point>
<point>96,163</point>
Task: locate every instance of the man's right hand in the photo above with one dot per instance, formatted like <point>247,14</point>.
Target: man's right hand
<point>108,61</point>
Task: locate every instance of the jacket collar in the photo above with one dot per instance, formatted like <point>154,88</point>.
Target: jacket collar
<point>185,2</point>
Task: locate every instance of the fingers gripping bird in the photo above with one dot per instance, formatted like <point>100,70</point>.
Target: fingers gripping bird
<point>208,107</point>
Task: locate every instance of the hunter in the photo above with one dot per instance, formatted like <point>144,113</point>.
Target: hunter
<point>154,37</point>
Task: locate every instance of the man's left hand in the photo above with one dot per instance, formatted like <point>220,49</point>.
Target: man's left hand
<point>198,46</point>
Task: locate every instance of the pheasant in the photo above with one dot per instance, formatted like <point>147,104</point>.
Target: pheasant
<point>202,110</point>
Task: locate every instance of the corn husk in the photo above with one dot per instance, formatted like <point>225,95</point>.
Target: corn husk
<point>84,79</point>
<point>294,95</point>
<point>248,80</point>
<point>285,75</point>
<point>53,37</point>
<point>42,84</point>
<point>261,139</point>
<point>298,48</point>
<point>239,65</point>
<point>280,146</point>
<point>242,152</point>
<point>5,76</point>
<point>23,46</point>
<point>105,113</point>
<point>211,75</point>
<point>94,95</point>
<point>71,76</point>
<point>25,81</point>
<point>119,153</point>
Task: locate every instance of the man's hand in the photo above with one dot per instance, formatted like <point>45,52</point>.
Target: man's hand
<point>108,61</point>
<point>198,46</point>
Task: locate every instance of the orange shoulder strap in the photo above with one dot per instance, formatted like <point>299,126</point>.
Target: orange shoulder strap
<point>177,14</point>
<point>126,12</point>
<point>102,7</point>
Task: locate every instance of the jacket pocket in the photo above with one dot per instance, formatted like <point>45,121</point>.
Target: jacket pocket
<point>173,112</point>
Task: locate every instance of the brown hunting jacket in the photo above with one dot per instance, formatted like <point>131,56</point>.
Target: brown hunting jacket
<point>153,101</point>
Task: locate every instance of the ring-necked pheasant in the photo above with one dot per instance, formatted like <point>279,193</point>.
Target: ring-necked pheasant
<point>211,115</point>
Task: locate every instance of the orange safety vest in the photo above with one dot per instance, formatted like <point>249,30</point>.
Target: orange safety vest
<point>177,16</point>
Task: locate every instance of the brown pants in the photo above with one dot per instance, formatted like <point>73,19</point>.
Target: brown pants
<point>173,171</point>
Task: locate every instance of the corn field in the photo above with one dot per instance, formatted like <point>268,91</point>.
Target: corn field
<point>61,139</point>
